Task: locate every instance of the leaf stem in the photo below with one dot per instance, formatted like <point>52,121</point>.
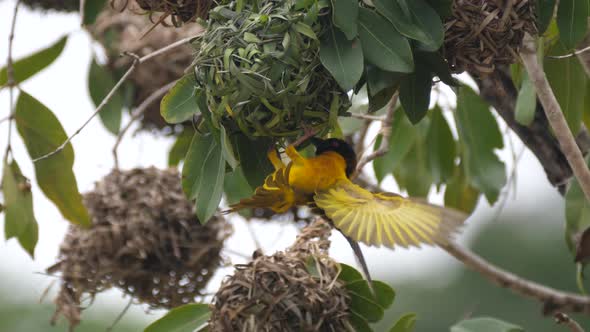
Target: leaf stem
<point>137,61</point>
<point>554,115</point>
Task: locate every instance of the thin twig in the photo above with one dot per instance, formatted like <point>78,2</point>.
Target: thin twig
<point>553,300</point>
<point>574,53</point>
<point>555,116</point>
<point>385,132</point>
<point>10,81</point>
<point>120,316</point>
<point>137,61</point>
<point>6,118</point>
<point>137,113</point>
<point>82,5</point>
<point>360,146</point>
<point>561,318</point>
<point>368,117</point>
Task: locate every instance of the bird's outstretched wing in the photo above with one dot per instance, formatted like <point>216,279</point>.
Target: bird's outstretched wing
<point>274,194</point>
<point>386,219</point>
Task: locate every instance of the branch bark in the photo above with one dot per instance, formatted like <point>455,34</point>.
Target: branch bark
<point>553,300</point>
<point>554,115</point>
<point>499,90</point>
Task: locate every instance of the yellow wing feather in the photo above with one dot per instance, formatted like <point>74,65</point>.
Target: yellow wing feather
<point>385,219</point>
<point>275,194</point>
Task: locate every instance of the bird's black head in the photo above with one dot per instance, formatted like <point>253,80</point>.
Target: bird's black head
<point>339,146</point>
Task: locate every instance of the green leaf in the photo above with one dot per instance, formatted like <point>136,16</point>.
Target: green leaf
<point>405,324</point>
<point>42,134</point>
<point>91,10</point>
<point>365,307</point>
<point>202,175</point>
<point>437,65</point>
<point>479,132</point>
<point>344,15</point>
<point>459,194</point>
<point>382,45</point>
<point>34,63</point>
<point>19,220</point>
<point>180,103</point>
<point>545,9</point>
<point>379,80</point>
<point>403,136</point>
<point>186,318</point>
<point>572,20</point>
<point>349,274</point>
<point>568,81</point>
<point>412,173</point>
<point>100,83</point>
<point>485,324</point>
<point>359,323</point>
<point>526,103</point>
<point>227,148</point>
<point>442,7</point>
<point>384,294</point>
<point>180,147</point>
<point>343,58</point>
<point>236,187</point>
<point>414,93</point>
<point>577,212</point>
<point>415,19</point>
<point>441,147</point>
<point>378,101</point>
<point>252,156</point>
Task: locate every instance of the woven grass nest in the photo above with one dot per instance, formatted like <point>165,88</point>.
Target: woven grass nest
<point>120,31</point>
<point>482,34</point>
<point>278,292</point>
<point>261,70</point>
<point>55,5</point>
<point>145,240</point>
<point>179,11</point>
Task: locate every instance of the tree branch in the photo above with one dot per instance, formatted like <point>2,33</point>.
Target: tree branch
<point>553,300</point>
<point>561,318</point>
<point>10,82</point>
<point>137,61</point>
<point>137,113</point>
<point>386,133</point>
<point>81,11</point>
<point>554,115</point>
<point>499,90</point>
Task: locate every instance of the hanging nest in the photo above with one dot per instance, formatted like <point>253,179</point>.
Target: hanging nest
<point>296,290</point>
<point>179,11</point>
<point>144,239</point>
<point>66,6</point>
<point>261,70</point>
<point>120,31</point>
<point>481,34</point>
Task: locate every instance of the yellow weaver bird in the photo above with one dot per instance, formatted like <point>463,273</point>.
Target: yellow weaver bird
<point>376,219</point>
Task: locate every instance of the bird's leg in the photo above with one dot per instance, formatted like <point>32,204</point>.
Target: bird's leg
<point>274,158</point>
<point>356,249</point>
